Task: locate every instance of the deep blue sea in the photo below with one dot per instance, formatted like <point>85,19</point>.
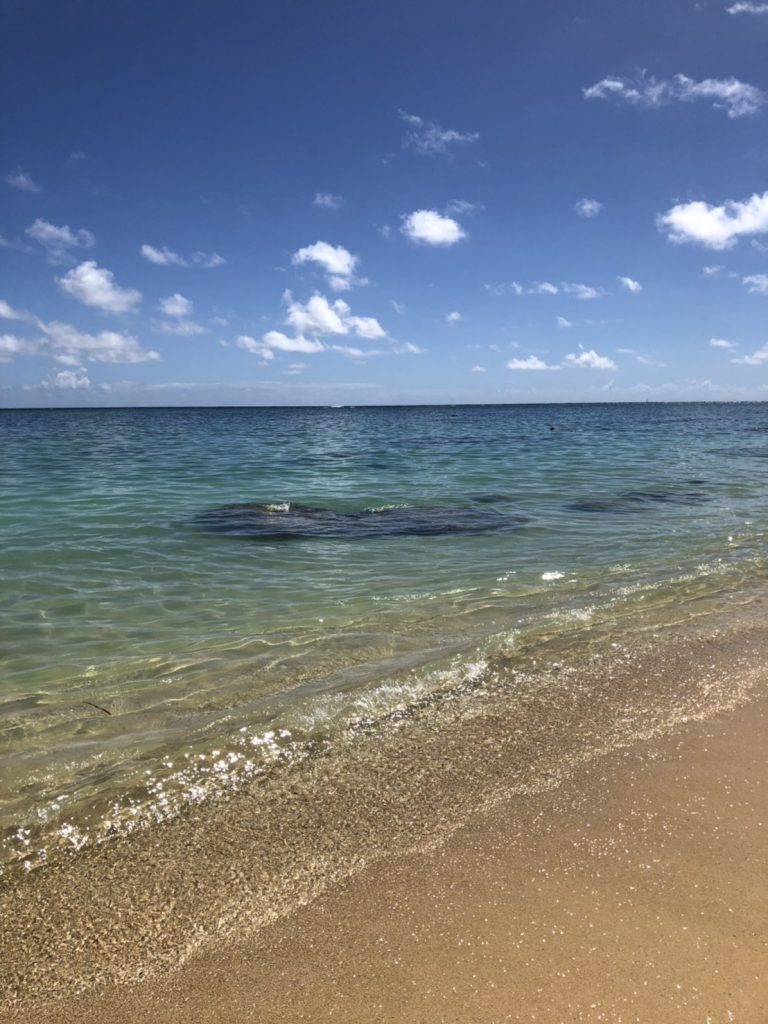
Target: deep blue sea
<point>189,595</point>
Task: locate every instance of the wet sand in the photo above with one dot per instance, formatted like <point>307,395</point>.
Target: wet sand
<point>631,887</point>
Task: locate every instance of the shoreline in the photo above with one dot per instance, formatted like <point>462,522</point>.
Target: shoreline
<point>234,882</point>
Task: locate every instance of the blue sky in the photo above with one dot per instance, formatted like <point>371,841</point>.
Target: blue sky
<point>348,203</point>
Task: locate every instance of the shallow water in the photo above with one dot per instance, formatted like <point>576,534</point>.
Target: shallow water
<point>150,659</point>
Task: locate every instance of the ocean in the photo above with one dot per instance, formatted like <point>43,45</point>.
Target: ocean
<point>193,600</point>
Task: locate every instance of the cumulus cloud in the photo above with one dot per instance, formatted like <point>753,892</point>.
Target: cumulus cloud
<point>7,312</point>
<point>583,292</point>
<point>336,261</point>
<point>95,286</point>
<point>179,308</point>
<point>588,207</point>
<point>736,98</point>
<point>479,369</point>
<point>365,327</point>
<point>428,227</point>
<point>12,346</point>
<point>757,284</point>
<point>756,359</point>
<point>562,322</point>
<point>631,285</point>
<point>59,241</point>
<point>69,380</point>
<point>529,363</point>
<point>70,346</point>
<point>319,316</point>
<point>716,227</point>
<point>21,180</point>
<point>175,305</point>
<point>747,7</point>
<point>721,343</point>
<point>453,317</point>
<point>254,346</point>
<point>589,359</point>
<point>712,271</point>
<point>328,201</point>
<point>278,340</point>
<point>429,139</point>
<point>165,257</point>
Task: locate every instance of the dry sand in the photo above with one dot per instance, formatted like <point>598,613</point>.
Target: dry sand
<point>636,890</point>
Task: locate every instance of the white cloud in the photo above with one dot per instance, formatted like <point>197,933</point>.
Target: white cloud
<point>68,345</point>
<point>366,327</point>
<point>588,207</point>
<point>22,181</point>
<point>461,207</point>
<point>453,317</point>
<point>278,340</point>
<point>572,288</point>
<point>729,94</point>
<point>58,241</point>
<point>716,227</point>
<point>479,369</point>
<point>757,284</point>
<point>756,359</point>
<point>581,291</point>
<point>162,257</point>
<point>328,201</point>
<point>712,271</point>
<point>71,346</point>
<point>398,307</point>
<point>95,286</point>
<point>747,7</point>
<point>351,352</point>
<point>428,227</point>
<point>337,262</point>
<point>179,308</point>
<point>11,346</point>
<point>165,257</point>
<point>207,260</point>
<point>69,380</point>
<point>175,305</point>
<point>721,343</point>
<point>589,359</point>
<point>529,363</point>
<point>429,139</point>
<point>631,285</point>
<point>7,312</point>
<point>562,322</point>
<point>257,348</point>
<point>319,316</point>
<point>295,369</point>
<point>181,328</point>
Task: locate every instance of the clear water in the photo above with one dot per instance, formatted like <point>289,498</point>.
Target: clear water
<point>146,662</point>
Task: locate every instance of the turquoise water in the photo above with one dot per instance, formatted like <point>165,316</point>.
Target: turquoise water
<point>149,658</point>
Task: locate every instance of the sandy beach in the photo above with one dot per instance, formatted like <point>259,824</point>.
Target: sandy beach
<point>627,882</point>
